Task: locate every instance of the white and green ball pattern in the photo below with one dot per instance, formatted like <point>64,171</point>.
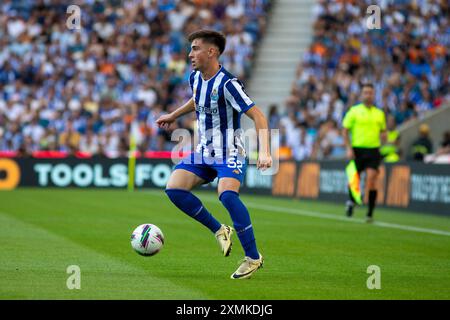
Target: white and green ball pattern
<point>147,239</point>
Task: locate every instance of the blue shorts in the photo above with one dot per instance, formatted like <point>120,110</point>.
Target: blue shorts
<point>208,169</point>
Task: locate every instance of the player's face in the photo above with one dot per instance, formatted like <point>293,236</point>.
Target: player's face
<point>201,54</point>
<point>368,95</point>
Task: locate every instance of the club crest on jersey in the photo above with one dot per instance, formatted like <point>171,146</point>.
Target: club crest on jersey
<point>214,95</point>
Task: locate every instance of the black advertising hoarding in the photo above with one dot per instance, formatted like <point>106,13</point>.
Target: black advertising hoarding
<point>430,186</point>
<point>103,173</point>
<point>90,173</point>
<point>413,186</point>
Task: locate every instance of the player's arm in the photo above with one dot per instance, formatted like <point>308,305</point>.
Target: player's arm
<point>241,102</point>
<point>262,130</point>
<point>165,120</point>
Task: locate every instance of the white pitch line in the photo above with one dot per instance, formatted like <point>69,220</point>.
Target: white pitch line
<point>314,214</point>
<point>333,217</point>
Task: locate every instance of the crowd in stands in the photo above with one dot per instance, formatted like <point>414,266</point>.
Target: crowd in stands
<point>422,148</point>
<point>84,90</point>
<point>407,60</point>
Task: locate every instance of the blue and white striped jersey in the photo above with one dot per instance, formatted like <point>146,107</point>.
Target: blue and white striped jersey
<point>219,104</point>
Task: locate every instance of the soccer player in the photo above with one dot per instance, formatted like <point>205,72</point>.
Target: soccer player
<point>219,100</point>
<point>367,125</point>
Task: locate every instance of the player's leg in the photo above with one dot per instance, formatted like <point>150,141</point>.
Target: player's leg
<point>372,176</point>
<point>228,190</point>
<point>183,179</point>
<point>178,189</point>
<point>373,164</point>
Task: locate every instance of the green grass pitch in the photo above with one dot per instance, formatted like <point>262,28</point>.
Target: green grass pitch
<point>311,251</point>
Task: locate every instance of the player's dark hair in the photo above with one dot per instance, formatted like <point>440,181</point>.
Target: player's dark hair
<point>210,36</point>
<point>367,84</point>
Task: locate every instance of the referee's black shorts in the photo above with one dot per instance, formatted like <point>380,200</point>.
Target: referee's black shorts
<point>367,158</point>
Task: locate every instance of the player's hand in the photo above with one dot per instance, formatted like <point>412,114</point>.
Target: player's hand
<point>264,161</point>
<point>350,154</point>
<point>165,121</point>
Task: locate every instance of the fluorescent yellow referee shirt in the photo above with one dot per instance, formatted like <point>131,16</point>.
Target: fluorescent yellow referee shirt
<point>365,125</point>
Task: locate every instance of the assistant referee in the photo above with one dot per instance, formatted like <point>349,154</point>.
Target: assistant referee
<point>367,126</point>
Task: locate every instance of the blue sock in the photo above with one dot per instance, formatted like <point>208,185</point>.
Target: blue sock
<point>192,206</point>
<point>241,220</point>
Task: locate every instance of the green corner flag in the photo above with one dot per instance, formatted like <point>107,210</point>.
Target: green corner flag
<point>353,181</point>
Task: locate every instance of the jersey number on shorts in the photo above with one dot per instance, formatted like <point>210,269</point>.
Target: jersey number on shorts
<point>234,164</point>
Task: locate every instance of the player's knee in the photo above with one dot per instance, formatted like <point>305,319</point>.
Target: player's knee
<point>172,185</point>
<point>176,183</point>
<point>181,179</point>
<point>371,183</point>
<point>228,185</point>
<point>372,179</point>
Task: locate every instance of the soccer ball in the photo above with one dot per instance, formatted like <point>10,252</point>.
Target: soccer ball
<point>147,239</point>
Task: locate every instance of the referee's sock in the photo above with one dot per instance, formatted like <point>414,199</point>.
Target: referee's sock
<point>193,207</point>
<point>350,204</point>
<point>372,201</point>
<point>241,221</point>
<point>350,195</point>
